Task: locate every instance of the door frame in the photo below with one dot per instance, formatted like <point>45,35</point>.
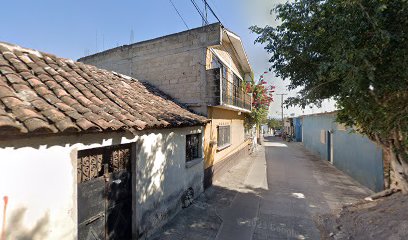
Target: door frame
<point>133,147</point>
<point>330,148</point>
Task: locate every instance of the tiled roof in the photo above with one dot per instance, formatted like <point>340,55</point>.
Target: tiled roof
<point>42,93</point>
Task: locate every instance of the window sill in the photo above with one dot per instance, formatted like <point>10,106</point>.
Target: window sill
<point>223,147</point>
<point>194,162</point>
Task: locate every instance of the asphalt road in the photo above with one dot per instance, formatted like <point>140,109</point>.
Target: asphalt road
<point>275,193</point>
<point>291,188</point>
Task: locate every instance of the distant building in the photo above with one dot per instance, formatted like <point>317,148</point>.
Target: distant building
<point>205,69</point>
<point>288,126</point>
<point>88,153</point>
<point>349,151</point>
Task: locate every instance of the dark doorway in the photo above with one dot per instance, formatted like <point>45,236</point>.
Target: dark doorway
<point>329,146</point>
<point>105,193</point>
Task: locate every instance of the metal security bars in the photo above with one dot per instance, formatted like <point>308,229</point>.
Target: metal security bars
<point>224,136</point>
<point>233,93</point>
<point>192,146</point>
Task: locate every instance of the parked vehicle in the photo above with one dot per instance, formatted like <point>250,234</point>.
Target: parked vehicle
<point>278,133</point>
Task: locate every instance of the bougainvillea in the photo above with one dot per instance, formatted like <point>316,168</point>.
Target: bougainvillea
<point>262,96</point>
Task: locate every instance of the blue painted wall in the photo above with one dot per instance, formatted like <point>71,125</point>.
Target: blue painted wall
<point>353,153</point>
<point>297,123</point>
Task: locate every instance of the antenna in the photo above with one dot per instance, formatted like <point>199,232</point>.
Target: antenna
<point>205,20</point>
<point>86,51</point>
<point>132,36</point>
<point>199,11</point>
<point>96,40</point>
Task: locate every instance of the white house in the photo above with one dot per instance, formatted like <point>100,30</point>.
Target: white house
<point>86,153</point>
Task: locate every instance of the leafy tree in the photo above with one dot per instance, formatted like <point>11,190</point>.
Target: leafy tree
<point>274,123</point>
<point>355,52</point>
<point>262,96</point>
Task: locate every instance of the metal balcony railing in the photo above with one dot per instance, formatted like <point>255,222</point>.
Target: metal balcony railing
<point>235,95</point>
<point>221,91</point>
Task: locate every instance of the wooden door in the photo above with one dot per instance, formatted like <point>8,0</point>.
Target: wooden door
<point>104,193</point>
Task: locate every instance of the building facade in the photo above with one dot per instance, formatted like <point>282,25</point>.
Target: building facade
<point>349,151</point>
<point>206,70</point>
<point>90,154</point>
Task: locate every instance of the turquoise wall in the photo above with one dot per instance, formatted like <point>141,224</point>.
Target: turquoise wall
<point>353,153</point>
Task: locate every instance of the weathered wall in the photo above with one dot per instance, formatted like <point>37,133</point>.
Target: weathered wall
<point>174,63</point>
<point>353,153</point>
<point>39,177</point>
<point>163,177</point>
<point>218,117</point>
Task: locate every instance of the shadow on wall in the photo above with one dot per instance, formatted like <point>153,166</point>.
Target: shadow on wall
<point>15,228</point>
<point>15,219</point>
<point>162,179</point>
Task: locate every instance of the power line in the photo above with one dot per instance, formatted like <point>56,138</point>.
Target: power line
<point>182,19</point>
<point>222,26</point>
<point>199,12</point>
<point>205,12</point>
<point>215,15</point>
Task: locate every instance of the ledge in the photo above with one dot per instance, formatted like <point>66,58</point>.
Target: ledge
<point>232,108</point>
<point>194,162</point>
<point>223,147</point>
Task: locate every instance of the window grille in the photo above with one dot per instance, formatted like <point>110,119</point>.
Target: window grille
<point>192,146</point>
<point>224,136</point>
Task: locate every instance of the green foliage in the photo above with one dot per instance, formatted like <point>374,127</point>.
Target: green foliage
<point>274,123</point>
<point>355,52</point>
<point>262,96</point>
<point>257,117</point>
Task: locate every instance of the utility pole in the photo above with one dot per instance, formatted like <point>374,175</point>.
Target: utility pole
<point>282,94</point>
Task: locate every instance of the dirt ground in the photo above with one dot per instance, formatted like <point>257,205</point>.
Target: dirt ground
<point>384,218</point>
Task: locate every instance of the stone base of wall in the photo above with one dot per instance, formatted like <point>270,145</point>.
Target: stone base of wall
<point>162,211</point>
<point>216,171</point>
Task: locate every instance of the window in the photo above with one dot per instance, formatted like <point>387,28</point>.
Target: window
<point>193,146</point>
<point>224,139</point>
<point>215,63</point>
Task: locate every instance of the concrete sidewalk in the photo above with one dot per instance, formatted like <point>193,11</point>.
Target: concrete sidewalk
<point>275,193</point>
<point>204,218</point>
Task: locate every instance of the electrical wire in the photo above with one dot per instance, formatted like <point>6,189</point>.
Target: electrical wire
<point>199,12</point>
<point>215,15</point>
<point>222,26</point>
<point>182,19</point>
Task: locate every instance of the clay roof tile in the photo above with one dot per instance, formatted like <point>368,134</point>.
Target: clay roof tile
<point>43,94</point>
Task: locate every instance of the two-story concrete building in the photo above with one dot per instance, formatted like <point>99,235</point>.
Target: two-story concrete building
<point>205,69</point>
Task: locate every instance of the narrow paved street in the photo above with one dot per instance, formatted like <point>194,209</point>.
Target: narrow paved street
<point>276,193</point>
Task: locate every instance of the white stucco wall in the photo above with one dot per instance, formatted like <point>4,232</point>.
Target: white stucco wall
<point>38,176</point>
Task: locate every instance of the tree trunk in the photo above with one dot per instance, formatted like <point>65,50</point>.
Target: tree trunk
<point>398,168</point>
<point>258,134</point>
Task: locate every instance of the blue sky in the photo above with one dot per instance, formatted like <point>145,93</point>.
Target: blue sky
<point>73,28</point>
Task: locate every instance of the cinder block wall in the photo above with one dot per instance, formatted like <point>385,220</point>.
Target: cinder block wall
<point>174,63</point>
